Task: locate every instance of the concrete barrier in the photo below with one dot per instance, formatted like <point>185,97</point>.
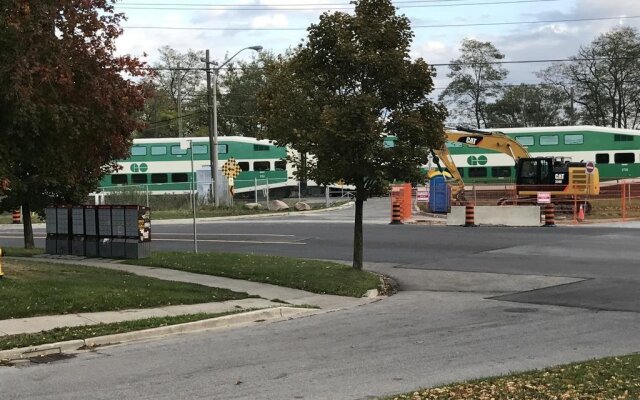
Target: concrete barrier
<point>497,216</point>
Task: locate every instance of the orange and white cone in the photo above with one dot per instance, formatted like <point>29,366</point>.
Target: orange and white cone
<point>581,213</point>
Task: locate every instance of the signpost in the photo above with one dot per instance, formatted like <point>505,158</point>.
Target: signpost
<point>590,167</point>
<point>422,195</point>
<point>231,170</point>
<point>544,198</point>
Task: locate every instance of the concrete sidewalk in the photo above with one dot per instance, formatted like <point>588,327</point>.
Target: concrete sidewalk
<point>267,293</point>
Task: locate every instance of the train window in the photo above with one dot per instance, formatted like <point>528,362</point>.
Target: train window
<point>280,165</point>
<point>602,158</point>
<point>179,177</point>
<point>525,140</point>
<point>260,147</point>
<point>624,158</point>
<point>202,149</point>
<point>159,178</point>
<point>158,150</point>
<point>548,140</point>
<point>223,149</point>
<point>622,138</point>
<point>261,166</point>
<point>139,178</point>
<point>177,150</point>
<point>574,139</point>
<point>138,151</point>
<point>244,166</point>
<point>119,180</point>
<point>461,172</point>
<point>477,172</point>
<point>501,172</point>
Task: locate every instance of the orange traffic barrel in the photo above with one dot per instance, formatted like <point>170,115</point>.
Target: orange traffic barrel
<point>15,217</point>
<point>469,215</point>
<point>549,215</point>
<point>396,213</point>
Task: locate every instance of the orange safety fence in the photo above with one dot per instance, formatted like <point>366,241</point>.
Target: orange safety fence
<point>617,200</point>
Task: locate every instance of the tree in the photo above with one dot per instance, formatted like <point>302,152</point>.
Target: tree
<point>529,105</point>
<point>475,79</point>
<point>178,104</point>
<point>66,110</point>
<point>603,79</point>
<point>336,96</point>
<point>238,108</point>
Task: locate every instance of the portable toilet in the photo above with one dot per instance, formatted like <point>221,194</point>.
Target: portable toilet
<point>439,195</point>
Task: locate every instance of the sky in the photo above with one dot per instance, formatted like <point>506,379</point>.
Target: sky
<point>226,26</point>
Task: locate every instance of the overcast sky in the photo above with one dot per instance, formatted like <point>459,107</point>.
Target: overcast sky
<point>225,26</point>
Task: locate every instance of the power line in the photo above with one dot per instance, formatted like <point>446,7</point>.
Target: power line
<point>550,60</point>
<point>301,7</point>
<point>413,26</point>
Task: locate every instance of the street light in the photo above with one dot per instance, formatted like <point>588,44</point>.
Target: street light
<point>184,145</point>
<point>213,121</point>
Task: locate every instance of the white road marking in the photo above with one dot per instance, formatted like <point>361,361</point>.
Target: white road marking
<point>225,241</point>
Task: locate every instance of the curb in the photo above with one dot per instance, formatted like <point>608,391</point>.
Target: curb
<point>252,216</point>
<point>78,345</point>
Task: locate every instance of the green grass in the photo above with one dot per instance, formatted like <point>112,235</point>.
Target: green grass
<point>89,331</point>
<point>22,252</point>
<point>31,288</point>
<point>310,275</point>
<point>603,379</point>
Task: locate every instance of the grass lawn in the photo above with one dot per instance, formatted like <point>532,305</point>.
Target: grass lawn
<point>22,252</point>
<point>89,331</point>
<point>310,275</point>
<point>31,288</point>
<point>604,379</point>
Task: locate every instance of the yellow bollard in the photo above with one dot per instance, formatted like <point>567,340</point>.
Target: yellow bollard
<point>1,255</point>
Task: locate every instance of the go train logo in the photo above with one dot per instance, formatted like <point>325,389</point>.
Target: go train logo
<point>479,160</point>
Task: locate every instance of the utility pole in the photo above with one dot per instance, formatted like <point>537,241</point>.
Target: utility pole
<point>179,101</point>
<point>212,148</point>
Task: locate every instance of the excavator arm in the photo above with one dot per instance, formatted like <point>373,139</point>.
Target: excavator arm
<point>496,141</point>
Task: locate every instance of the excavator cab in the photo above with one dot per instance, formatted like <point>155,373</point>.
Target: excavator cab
<point>535,172</point>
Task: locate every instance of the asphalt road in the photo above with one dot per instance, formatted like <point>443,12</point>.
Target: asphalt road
<point>475,302</point>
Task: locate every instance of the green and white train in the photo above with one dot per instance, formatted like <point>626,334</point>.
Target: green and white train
<point>163,166</point>
<point>616,152</point>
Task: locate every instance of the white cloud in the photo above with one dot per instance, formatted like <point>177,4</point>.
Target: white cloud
<point>270,21</point>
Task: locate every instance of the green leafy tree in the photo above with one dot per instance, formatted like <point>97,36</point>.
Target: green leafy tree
<point>177,104</point>
<point>529,105</point>
<point>66,110</point>
<point>603,79</point>
<point>238,107</point>
<point>336,96</point>
<point>475,79</point>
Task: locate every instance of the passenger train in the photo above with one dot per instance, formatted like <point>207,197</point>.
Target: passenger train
<point>163,166</point>
<point>616,152</point>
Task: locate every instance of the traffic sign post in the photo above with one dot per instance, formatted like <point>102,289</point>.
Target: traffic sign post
<point>590,167</point>
<point>231,170</point>
<point>544,198</point>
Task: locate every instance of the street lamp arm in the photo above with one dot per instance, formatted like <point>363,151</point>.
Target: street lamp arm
<point>228,60</point>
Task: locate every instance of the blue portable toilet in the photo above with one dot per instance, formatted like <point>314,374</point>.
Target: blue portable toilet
<point>439,195</point>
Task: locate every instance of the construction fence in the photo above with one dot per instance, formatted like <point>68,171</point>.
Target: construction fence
<point>617,200</point>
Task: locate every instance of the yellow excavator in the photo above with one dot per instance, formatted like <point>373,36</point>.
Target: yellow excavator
<point>563,179</point>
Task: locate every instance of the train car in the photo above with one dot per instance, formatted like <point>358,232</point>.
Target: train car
<point>162,166</point>
<point>616,152</point>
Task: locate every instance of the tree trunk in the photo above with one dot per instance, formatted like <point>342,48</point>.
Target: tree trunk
<point>28,229</point>
<point>358,241</point>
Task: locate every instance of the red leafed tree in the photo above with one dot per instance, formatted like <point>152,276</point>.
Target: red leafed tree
<point>68,104</point>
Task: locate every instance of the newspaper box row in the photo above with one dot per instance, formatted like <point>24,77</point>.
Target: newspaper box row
<point>99,231</point>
